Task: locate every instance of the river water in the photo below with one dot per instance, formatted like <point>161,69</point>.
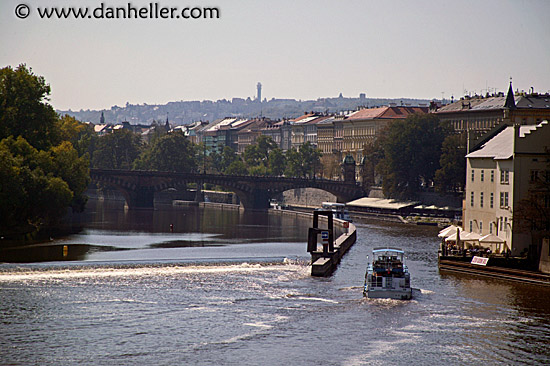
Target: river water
<point>233,288</point>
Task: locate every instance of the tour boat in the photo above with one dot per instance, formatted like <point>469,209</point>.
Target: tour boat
<point>387,275</point>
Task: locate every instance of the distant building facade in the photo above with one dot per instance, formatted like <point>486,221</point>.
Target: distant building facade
<point>478,115</point>
<point>361,128</point>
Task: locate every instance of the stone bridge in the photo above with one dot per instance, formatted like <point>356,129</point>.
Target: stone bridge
<point>254,192</point>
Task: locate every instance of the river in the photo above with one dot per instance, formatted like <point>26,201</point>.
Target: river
<point>233,288</point>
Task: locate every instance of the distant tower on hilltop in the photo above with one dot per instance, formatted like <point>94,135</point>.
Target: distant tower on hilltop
<point>259,88</point>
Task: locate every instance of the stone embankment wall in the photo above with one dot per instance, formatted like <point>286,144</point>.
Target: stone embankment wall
<point>306,197</point>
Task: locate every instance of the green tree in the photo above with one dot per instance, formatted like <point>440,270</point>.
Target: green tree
<point>331,165</point>
<point>228,157</point>
<point>411,152</point>
<point>33,192</point>
<point>276,162</point>
<point>23,108</point>
<point>237,167</point>
<point>41,173</point>
<point>214,162</point>
<point>257,157</point>
<point>305,162</point>
<point>73,170</point>
<point>294,164</point>
<point>452,174</point>
<point>13,197</point>
<point>252,156</point>
<point>170,153</point>
<point>81,135</point>
<point>311,159</point>
<point>117,150</point>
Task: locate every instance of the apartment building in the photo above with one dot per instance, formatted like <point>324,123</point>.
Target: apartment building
<point>501,171</point>
<point>361,128</point>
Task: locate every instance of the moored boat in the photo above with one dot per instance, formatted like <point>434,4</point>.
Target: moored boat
<point>387,275</point>
<point>338,209</point>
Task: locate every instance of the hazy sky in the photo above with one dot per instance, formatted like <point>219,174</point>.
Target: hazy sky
<point>296,49</point>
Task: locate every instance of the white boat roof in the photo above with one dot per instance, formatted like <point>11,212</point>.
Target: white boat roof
<point>379,250</point>
<point>381,203</point>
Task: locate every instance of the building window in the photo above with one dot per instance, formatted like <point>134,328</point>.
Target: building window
<point>490,228</point>
<point>481,227</point>
<point>482,175</point>
<point>503,199</point>
<point>505,224</point>
<point>481,200</point>
<point>473,175</point>
<point>534,176</point>
<point>472,199</point>
<point>491,199</point>
<point>504,176</point>
<point>471,225</point>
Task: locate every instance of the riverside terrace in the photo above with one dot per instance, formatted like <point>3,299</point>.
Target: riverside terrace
<point>139,187</point>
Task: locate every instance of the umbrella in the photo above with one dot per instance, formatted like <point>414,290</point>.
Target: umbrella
<point>448,231</point>
<point>453,237</point>
<point>471,237</point>
<point>491,238</point>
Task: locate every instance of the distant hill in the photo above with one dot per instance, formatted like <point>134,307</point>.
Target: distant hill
<point>184,112</point>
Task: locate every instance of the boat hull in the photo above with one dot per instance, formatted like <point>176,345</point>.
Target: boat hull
<point>405,294</point>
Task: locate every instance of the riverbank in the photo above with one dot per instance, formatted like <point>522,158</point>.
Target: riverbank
<point>511,272</point>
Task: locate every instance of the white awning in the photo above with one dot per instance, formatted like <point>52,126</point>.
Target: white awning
<point>491,238</point>
<point>448,231</point>
<point>470,237</point>
<point>453,236</point>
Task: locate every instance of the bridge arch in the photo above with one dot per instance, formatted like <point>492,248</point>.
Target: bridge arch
<point>139,187</point>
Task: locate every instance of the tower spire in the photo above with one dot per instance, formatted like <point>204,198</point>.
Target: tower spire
<point>510,101</point>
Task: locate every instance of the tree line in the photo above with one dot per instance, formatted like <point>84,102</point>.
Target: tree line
<point>173,152</point>
<point>42,170</point>
<point>416,154</point>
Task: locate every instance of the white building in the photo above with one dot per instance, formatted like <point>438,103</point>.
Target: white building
<point>500,172</point>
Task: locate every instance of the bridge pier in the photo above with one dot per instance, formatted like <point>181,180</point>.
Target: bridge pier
<point>257,199</point>
<point>199,195</point>
<point>142,198</point>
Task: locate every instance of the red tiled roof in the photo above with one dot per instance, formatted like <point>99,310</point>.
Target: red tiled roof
<point>386,113</point>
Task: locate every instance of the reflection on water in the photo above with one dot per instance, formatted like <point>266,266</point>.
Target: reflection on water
<point>107,232</point>
<point>224,296</point>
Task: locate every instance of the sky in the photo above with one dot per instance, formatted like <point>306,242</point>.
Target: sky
<point>295,48</point>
